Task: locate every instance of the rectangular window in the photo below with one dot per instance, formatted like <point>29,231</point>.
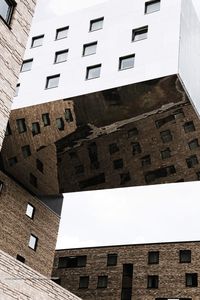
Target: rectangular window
<point>35,128</point>
<point>12,161</point>
<point>136,148</point>
<point>153,257</point>
<point>118,164</point>
<point>20,258</point>
<point>126,62</point>
<point>113,148</point>
<point>17,90</point>
<point>62,33</point>
<point>166,136</point>
<point>192,161</point>
<point>26,65</point>
<point>6,9</point>
<point>125,177</point>
<point>139,34</point>
<point>37,41</point>
<point>89,49</point>
<point>72,261</point>
<point>102,282</point>
<point>191,279</point>
<point>46,119</point>
<point>93,72</point>
<point>8,130</point>
<point>152,282</point>
<point>26,151</point>
<point>127,282</point>
<point>193,144</point>
<point>60,124</point>
<point>33,180</point>
<point>146,160</point>
<point>40,165</point>
<point>84,282</point>
<point>132,132</point>
<point>96,24</point>
<point>21,125</point>
<point>189,126</point>
<point>68,115</point>
<point>112,259</point>
<point>30,210</point>
<point>159,123</point>
<point>166,153</point>
<point>152,6</point>
<point>185,256</point>
<point>33,240</point>
<point>61,56</point>
<point>52,81</point>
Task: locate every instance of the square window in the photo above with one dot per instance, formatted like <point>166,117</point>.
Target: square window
<point>118,164</point>
<point>126,62</point>
<point>26,65</point>
<point>37,41</point>
<point>146,160</point>
<point>35,128</point>
<point>139,34</point>
<point>185,256</point>
<point>192,161</point>
<point>93,72</point>
<point>12,161</point>
<point>52,81</point>
<point>8,130</point>
<point>191,279</point>
<point>17,90</point>
<point>21,125</point>
<point>30,210</point>
<point>193,144</point>
<point>40,165</point>
<point>20,258</point>
<point>62,33</point>
<point>33,180</point>
<point>102,282</point>
<point>46,119</point>
<point>136,148</point>
<point>113,148</point>
<point>124,177</point>
<point>112,260</point>
<point>96,24</point>
<point>60,124</point>
<point>152,281</point>
<point>33,240</point>
<point>153,257</point>
<point>166,153</point>
<point>68,115</point>
<point>152,6</point>
<point>6,9</point>
<point>132,132</point>
<point>61,56</point>
<point>26,151</point>
<point>89,49</point>
<point>83,282</point>
<point>189,127</point>
<point>166,136</point>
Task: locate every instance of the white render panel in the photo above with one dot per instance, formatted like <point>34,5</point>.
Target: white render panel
<point>155,56</point>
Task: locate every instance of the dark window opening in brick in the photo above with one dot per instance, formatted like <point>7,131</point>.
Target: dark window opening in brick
<point>152,281</point>
<point>132,132</point>
<point>153,257</point>
<point>112,259</point>
<point>68,115</point>
<point>37,41</point>
<point>21,125</point>
<point>146,160</point>
<point>118,164</point>
<point>113,148</point>
<point>1,186</point>
<point>102,282</point>
<point>193,144</point>
<point>99,179</point>
<point>26,65</point>
<point>96,24</point>
<point>179,114</point>
<point>20,258</point>
<point>152,6</point>
<point>139,34</point>
<point>83,282</point>
<point>62,33</point>
<point>26,151</point>
<point>189,127</point>
<point>136,148</point>
<point>40,165</point>
<point>60,124</point>
<point>126,62</point>
<point>151,176</point>
<point>6,9</point>
<point>166,153</point>
<point>163,121</point>
<point>125,177</point>
<point>192,161</point>
<point>79,169</point>
<point>35,128</point>
<point>93,155</point>
<point>191,279</point>
<point>8,130</point>
<point>166,136</point>
<point>33,241</point>
<point>12,161</point>
<point>33,180</point>
<point>185,256</point>
<point>72,261</point>
<point>127,282</point>
<point>46,119</point>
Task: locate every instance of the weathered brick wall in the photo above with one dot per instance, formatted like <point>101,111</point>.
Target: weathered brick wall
<point>170,271</point>
<point>12,46</point>
<point>16,226</point>
<point>18,281</point>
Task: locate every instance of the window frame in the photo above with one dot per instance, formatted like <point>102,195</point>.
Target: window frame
<point>111,256</point>
<point>95,21</point>
<point>27,61</point>
<point>12,4</point>
<point>35,243</point>
<point>48,78</point>
<point>121,58</point>
<point>31,216</point>
<point>60,30</point>
<point>34,38</point>
<point>87,278</point>
<point>89,68</point>
<point>147,3</point>
<point>57,53</point>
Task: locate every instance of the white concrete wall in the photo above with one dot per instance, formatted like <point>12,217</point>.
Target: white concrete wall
<point>156,56</point>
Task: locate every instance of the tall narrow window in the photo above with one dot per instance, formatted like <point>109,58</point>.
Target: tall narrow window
<point>37,41</point>
<point>189,127</point>
<point>61,56</point>
<point>152,6</point>
<point>166,136</point>
<point>60,123</point>
<point>46,119</point>
<point>17,90</point>
<point>39,165</point>
<point>153,257</point>
<point>33,240</point>
<point>152,281</point>
<point>52,81</point>
<point>127,282</point>
<point>83,282</point>
<point>6,9</point>
<point>96,24</point>
<point>139,34</point>
<point>112,260</point>
<point>126,62</point>
<point>26,151</point>
<point>93,72</point>
<point>61,33</point>
<point>26,65</point>
<point>185,256</point>
<point>89,49</point>
<point>21,125</point>
<point>8,130</point>
<point>192,161</point>
<point>35,128</point>
<point>68,115</point>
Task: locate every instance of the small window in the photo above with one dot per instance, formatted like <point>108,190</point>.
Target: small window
<point>132,132</point>
<point>118,164</point>
<point>52,81</point>
<point>112,260</point>
<point>124,177</point>
<point>60,124</point>
<point>62,33</point>
<point>146,160</point>
<point>127,62</point>
<point>26,65</point>
<point>61,56</point>
<point>191,279</point>
<point>21,125</point>
<point>113,148</point>
<point>68,115</point>
<point>193,144</point>
<point>166,136</point>
<point>89,49</point>
<point>152,282</point>
<point>17,90</point>
<point>185,256</point>
<point>139,33</point>
<point>40,165</point>
<point>189,127</point>
<point>166,153</point>
<point>12,161</point>
<point>192,161</point>
<point>102,282</point>
<point>30,210</point>
<point>20,258</point>
<point>6,9</point>
<point>93,72</point>
<point>136,148</point>
<point>153,257</point>
<point>152,6</point>
<point>33,240</point>
<point>33,180</point>
<point>72,261</point>
<point>26,151</point>
<point>35,128</point>
<point>8,130</point>
<point>96,24</point>
<point>37,41</point>
<point>83,282</point>
<point>46,119</point>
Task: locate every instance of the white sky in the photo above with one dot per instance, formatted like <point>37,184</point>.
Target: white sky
<point>129,215</point>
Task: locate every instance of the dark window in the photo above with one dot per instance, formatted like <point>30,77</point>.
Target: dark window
<point>126,294</point>
<point>20,258</point>
<point>33,241</point>
<point>113,148</point>
<point>83,282</point>
<point>179,114</point>
<point>146,160</point>
<point>17,90</point>
<point>72,261</point>
<point>151,176</point>
<point>6,9</point>
<point>1,186</point>
<point>57,280</point>
<point>193,144</point>
<point>68,115</point>
<point>39,165</point>
<point>52,81</point>
<point>132,132</point>
<point>189,127</point>
<point>102,282</point>
<point>163,121</point>
<point>139,34</point>
<point>99,179</point>
<point>30,210</point>
<point>12,161</point>
<point>185,256</point>
<point>191,279</point>
<point>153,257</point>
<point>96,24</point>
<point>79,169</point>
<point>192,161</point>
<point>136,148</point>
<point>198,175</point>
<point>8,130</point>
<point>152,281</point>
<point>93,72</point>
<point>126,62</point>
<point>89,49</point>
<point>93,155</point>
<point>60,123</point>
<point>35,128</point>
<point>46,119</point>
<point>61,56</point>
<point>62,33</point>
<point>37,41</point>
<point>118,164</point>
<point>166,153</point>
<point>127,278</point>
<point>26,65</point>
<point>124,177</point>
<point>112,260</point>
<point>21,125</point>
<point>33,180</point>
<point>26,151</point>
<point>166,136</point>
<point>152,6</point>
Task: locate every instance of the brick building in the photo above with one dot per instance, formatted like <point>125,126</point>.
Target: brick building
<point>159,271</point>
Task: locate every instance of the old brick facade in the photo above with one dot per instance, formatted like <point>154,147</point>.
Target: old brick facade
<point>145,271</point>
